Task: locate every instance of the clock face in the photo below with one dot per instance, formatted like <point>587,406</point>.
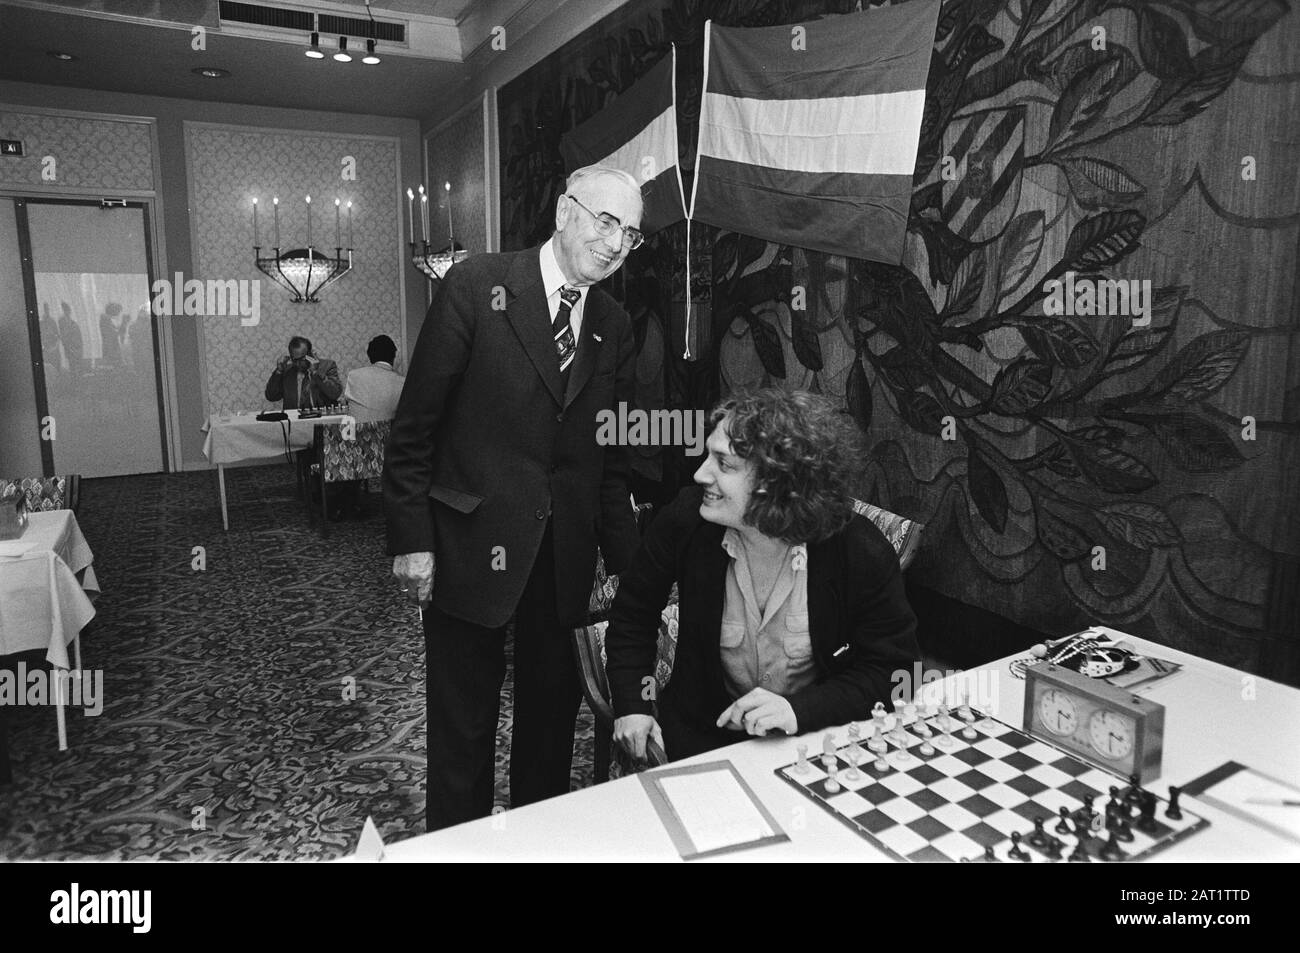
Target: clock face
<point>1111,734</point>
<point>1057,712</point>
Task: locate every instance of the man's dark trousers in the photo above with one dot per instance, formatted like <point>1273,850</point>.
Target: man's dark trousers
<point>466,665</point>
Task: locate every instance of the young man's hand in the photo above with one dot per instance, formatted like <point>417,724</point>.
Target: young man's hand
<point>759,712</point>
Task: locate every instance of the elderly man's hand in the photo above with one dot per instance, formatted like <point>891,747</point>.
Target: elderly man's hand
<point>759,712</point>
<point>631,731</point>
<point>415,572</point>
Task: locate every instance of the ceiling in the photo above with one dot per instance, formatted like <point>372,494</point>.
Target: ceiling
<point>144,46</point>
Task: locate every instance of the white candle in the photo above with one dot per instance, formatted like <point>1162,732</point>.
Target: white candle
<point>309,221</point>
<point>349,229</point>
<point>410,213</point>
<point>256,241</point>
<point>338,235</point>
<point>424,216</point>
<point>276,202</point>
<point>451,238</point>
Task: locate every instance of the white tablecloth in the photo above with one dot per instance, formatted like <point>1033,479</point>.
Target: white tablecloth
<point>43,602</point>
<point>244,437</point>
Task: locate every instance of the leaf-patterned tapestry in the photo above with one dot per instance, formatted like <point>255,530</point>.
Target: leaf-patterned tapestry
<point>1085,377</point>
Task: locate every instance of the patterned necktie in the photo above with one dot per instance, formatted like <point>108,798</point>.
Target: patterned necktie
<point>565,346</point>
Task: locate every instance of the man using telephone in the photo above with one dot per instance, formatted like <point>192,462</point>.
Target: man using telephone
<point>301,379</point>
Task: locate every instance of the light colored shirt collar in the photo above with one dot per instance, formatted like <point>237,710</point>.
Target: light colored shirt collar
<point>383,364</point>
<point>553,278</point>
<point>731,542</point>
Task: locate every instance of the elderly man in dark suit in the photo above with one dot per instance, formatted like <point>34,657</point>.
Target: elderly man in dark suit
<point>494,468</point>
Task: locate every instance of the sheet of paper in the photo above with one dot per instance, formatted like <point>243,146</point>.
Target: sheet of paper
<point>714,809</point>
<point>1241,788</point>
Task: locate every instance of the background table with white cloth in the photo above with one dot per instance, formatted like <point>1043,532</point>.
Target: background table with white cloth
<point>232,438</point>
<point>47,588</point>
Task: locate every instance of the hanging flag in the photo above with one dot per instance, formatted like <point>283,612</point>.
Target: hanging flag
<point>809,132</point>
<point>638,134</point>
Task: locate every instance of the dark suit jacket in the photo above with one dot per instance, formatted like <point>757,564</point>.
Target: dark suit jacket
<point>322,383</point>
<point>486,444</point>
<point>855,601</point>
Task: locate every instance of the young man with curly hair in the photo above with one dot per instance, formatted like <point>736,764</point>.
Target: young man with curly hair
<point>792,611</point>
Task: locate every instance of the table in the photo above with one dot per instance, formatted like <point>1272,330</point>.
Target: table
<point>1207,724</point>
<point>232,438</point>
<point>47,588</point>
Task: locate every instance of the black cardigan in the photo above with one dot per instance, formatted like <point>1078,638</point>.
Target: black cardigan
<point>862,628</point>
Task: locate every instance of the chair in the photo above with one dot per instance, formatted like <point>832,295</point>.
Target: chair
<point>45,493</point>
<point>337,459</point>
<point>903,534</point>
<point>589,641</point>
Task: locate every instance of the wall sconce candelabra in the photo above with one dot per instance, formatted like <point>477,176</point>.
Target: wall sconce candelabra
<point>432,264</point>
<point>304,272</point>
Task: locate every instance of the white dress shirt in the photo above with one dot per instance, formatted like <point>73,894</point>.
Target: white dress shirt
<point>373,391</point>
<point>553,280</point>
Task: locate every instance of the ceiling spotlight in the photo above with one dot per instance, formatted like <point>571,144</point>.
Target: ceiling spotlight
<point>342,55</point>
<point>370,57</point>
<point>314,51</point>
<point>60,55</point>
<point>211,72</point>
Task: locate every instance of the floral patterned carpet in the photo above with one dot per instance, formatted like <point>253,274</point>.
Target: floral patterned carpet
<point>230,730</point>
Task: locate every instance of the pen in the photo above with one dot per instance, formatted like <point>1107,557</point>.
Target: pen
<point>1273,801</point>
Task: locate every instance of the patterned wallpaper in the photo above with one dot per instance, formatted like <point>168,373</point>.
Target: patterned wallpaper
<point>110,154</point>
<point>455,155</point>
<point>228,166</point>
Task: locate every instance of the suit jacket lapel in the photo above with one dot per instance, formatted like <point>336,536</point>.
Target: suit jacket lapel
<point>584,363</point>
<point>530,317</point>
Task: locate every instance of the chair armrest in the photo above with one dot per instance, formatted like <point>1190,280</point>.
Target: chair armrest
<point>587,642</point>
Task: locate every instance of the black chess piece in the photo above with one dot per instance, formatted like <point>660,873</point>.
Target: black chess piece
<point>1147,823</point>
<point>1084,815</point>
<point>1123,830</point>
<point>1111,849</point>
<point>1063,825</point>
<point>1052,849</point>
<point>1173,811</point>
<point>1015,853</point>
<point>1080,853</point>
<point>989,856</point>
<point>1038,837</point>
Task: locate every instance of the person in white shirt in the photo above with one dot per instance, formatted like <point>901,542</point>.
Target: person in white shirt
<point>373,391</point>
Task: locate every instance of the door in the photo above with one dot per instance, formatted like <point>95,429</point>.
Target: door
<point>89,281</point>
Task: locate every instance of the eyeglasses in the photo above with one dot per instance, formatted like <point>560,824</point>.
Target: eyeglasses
<point>607,225</point>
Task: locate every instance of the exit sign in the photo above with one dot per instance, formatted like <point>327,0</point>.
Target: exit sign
<point>11,147</point>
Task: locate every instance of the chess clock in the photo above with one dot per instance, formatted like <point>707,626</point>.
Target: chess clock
<point>1093,720</point>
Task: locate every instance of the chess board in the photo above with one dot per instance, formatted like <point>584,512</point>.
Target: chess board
<point>947,806</point>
